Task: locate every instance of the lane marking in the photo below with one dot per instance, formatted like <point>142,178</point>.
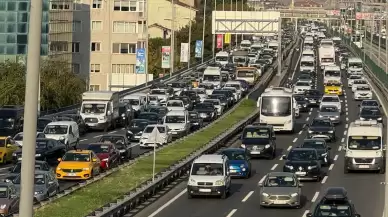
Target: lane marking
<point>230,214</point>
<point>347,119</point>
<point>324,179</point>
<point>289,148</point>
<point>262,180</point>
<point>342,140</point>
<point>346,126</point>
<point>345,96</point>
<point>345,132</point>
<point>82,140</point>
<point>331,166</point>
<point>281,157</point>
<point>305,213</point>
<point>247,197</point>
<point>346,113</point>
<point>300,132</point>
<point>310,113</point>
<point>307,119</point>
<point>311,109</point>
<point>168,203</point>
<point>315,197</point>
<point>97,136</point>
<point>335,157</point>
<point>274,167</point>
<point>339,148</point>
<point>295,140</point>
<point>346,109</point>
<point>112,132</point>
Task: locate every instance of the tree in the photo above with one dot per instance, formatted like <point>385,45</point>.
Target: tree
<point>59,86</point>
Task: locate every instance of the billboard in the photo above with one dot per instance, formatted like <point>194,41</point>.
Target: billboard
<point>166,52</point>
<point>140,61</point>
<point>198,49</point>
<point>184,52</point>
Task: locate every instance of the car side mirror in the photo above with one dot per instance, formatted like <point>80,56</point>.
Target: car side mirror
<point>284,157</point>
<point>309,215</point>
<point>301,184</point>
<point>59,159</point>
<point>109,113</point>
<point>94,160</point>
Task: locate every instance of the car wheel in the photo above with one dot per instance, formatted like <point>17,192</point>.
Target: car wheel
<point>224,195</point>
<point>346,171</point>
<point>189,196</point>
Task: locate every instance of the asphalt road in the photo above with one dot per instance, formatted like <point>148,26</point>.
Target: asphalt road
<point>364,189</point>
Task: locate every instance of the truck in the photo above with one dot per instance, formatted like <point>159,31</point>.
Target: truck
<point>212,75</point>
<point>240,58</point>
<point>100,109</point>
<point>222,58</point>
<point>326,56</point>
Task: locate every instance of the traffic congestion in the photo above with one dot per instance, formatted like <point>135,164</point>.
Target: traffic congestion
<point>318,147</point>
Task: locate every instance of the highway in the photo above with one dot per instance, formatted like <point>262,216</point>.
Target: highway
<point>364,189</point>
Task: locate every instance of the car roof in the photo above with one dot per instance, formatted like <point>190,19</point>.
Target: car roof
<point>210,158</point>
<point>280,174</point>
<point>232,149</point>
<point>336,193</point>
<point>113,135</point>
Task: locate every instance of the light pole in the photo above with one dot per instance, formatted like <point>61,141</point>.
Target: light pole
<point>203,30</point>
<point>146,44</point>
<point>214,35</point>
<point>172,38</point>
<point>30,114</point>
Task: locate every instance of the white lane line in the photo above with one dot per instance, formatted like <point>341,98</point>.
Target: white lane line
<point>346,113</point>
<point>346,126</point>
<point>311,109</point>
<point>247,197</point>
<point>342,140</point>
<point>339,148</point>
<point>315,197</point>
<point>331,166</point>
<point>112,132</point>
<point>310,113</point>
<point>305,213</point>
<point>345,96</point>
<point>345,132</point>
<point>335,157</point>
<point>261,180</point>
<point>231,213</point>
<point>97,136</point>
<point>164,206</point>
<point>307,119</point>
<point>346,109</point>
<point>324,179</point>
<point>347,119</point>
<point>346,105</point>
<point>295,140</point>
<point>300,132</point>
<point>274,167</point>
<point>82,140</point>
<point>289,148</point>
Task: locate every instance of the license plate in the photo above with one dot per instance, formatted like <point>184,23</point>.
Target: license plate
<point>233,171</point>
<point>279,202</point>
<point>313,101</point>
<point>205,190</point>
<point>300,173</point>
<point>71,174</point>
<point>255,152</point>
<point>92,125</point>
<point>173,132</point>
<point>19,158</point>
<point>364,166</point>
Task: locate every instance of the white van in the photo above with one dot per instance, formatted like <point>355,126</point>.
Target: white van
<point>65,131</point>
<point>222,58</point>
<point>178,122</point>
<point>138,102</point>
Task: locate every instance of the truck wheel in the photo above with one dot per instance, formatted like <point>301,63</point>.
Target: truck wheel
<point>106,127</point>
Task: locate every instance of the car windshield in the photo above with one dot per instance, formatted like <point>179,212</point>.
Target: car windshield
<point>333,84</point>
<point>333,210</point>
<point>207,106</point>
<point>18,167</point>
<point>18,137</point>
<point>38,180</point>
<point>353,77</point>
<point>6,123</point>
<point>214,102</point>
<point>313,144</point>
<point>330,99</point>
<point>158,92</point>
<point>207,169</point>
<point>98,149</point>
<point>56,129</point>
<point>148,116</point>
<point>299,97</point>
<point>235,155</point>
<point>302,155</point>
<point>364,142</point>
<point>138,124</point>
<point>359,82</point>
<point>363,88</point>
<point>328,109</point>
<point>112,139</point>
<point>175,104</point>
<point>307,64</point>
<point>41,144</point>
<point>370,112</point>
<point>279,106</point>
<point>3,192</point>
<point>175,119</point>
<point>333,73</point>
<point>280,181</point>
<point>312,92</point>
<point>79,157</point>
<point>369,103</point>
<point>151,128</point>
<point>321,123</point>
<point>304,77</point>
<point>93,108</point>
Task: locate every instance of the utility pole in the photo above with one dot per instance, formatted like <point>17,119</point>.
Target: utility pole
<point>203,30</point>
<point>280,55</point>
<point>146,43</point>
<point>30,113</point>
<point>172,37</point>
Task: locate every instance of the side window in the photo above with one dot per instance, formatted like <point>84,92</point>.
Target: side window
<point>108,108</point>
<point>70,129</point>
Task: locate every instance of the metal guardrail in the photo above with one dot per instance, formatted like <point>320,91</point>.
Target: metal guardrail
<point>167,78</point>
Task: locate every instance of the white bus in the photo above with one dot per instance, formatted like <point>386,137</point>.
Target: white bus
<point>277,108</point>
<point>332,74</point>
<point>212,75</point>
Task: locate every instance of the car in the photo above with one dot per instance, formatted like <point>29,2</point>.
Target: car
<point>7,147</point>
<point>48,150</point>
<point>313,97</point>
<point>83,128</point>
<point>147,142</point>
<point>363,92</point>
<point>335,202</point>
<point>9,198</point>
<point>207,111</point>
<point>175,105</point>
<point>259,140</point>
<point>42,123</point>
<point>239,162</point>
<point>222,98</point>
<point>121,143</point>
<point>228,94</point>
<point>301,86</point>
<point>17,168</point>
<point>371,113</point>
<point>322,148</point>
<point>302,102</point>
<point>331,99</point>
<point>305,78</point>
<point>280,189</point>
<point>19,137</point>
<point>45,185</point>
<point>333,88</point>
<point>160,110</point>
<point>195,121</point>
<point>321,128</point>
<point>352,78</point>
<point>107,153</point>
<point>152,117</point>
<point>331,112</point>
<point>369,103</point>
<point>357,83</point>
<point>304,163</point>
<point>135,129</point>
<point>154,100</point>
<point>186,101</point>
<point>217,104</point>
<point>127,113</point>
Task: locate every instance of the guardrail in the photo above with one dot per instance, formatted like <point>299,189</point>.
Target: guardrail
<point>147,189</point>
<point>167,78</point>
<point>375,40</point>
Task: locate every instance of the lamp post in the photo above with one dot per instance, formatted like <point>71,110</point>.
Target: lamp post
<point>203,30</point>
<point>172,37</point>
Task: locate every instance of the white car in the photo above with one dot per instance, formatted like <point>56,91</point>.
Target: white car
<point>301,86</point>
<point>175,105</point>
<point>164,137</point>
<point>236,94</point>
<point>352,78</point>
<point>357,83</point>
<point>363,92</point>
<point>331,100</point>
<point>19,137</point>
<point>217,104</point>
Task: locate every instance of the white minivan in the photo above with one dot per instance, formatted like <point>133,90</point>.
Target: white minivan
<point>178,122</point>
<point>65,131</point>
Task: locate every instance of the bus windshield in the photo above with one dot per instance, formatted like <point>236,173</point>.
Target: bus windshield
<point>245,74</point>
<point>276,106</point>
<point>332,73</point>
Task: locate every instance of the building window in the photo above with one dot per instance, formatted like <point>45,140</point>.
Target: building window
<point>96,46</point>
<point>124,27</point>
<point>59,46</point>
<point>96,25</point>
<point>75,47</point>
<point>75,68</point>
<point>95,68</point>
<point>77,26</point>
<point>125,5</point>
<point>94,87</point>
<point>97,3</point>
<point>121,68</point>
<point>60,6</point>
<point>124,48</point>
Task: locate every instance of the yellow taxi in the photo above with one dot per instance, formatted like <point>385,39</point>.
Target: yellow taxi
<point>7,147</point>
<point>333,88</point>
<point>78,165</point>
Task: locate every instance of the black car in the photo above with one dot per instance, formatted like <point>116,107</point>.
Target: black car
<point>313,97</point>
<point>206,111</point>
<point>83,128</point>
<point>48,150</point>
<point>186,101</point>
<point>121,143</point>
<point>305,163</point>
<point>321,128</point>
<point>228,94</point>
<point>135,129</point>
<point>302,102</point>
<point>222,98</point>
<point>335,202</point>
<point>371,113</point>
<point>322,148</point>
<point>160,110</point>
<point>192,95</point>
<point>127,113</point>
<point>196,121</point>
<point>42,123</point>
<point>152,117</point>
<point>17,169</point>
<point>259,140</point>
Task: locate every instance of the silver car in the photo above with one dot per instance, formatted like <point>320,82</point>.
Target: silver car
<point>46,185</point>
<point>331,112</point>
<point>280,189</point>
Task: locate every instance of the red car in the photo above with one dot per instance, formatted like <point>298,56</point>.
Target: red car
<point>107,153</point>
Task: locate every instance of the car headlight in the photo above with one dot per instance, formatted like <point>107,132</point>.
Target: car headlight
<point>336,116</point>
<point>38,192</point>
<point>220,182</point>
<point>294,195</point>
<point>363,119</point>
<point>311,167</point>
<point>311,131</point>
<point>85,169</point>
<point>379,119</point>
<point>192,182</point>
<point>38,155</point>
<point>324,154</point>
<point>265,194</point>
<point>267,146</point>
<point>105,159</point>
<point>59,169</point>
<point>3,206</point>
<point>331,131</point>
<point>290,167</point>
<point>242,166</point>
<point>130,132</point>
<point>14,154</point>
<point>242,146</point>
<point>62,138</point>
<point>122,115</point>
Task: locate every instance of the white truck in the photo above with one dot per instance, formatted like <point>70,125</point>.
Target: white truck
<point>100,109</point>
<point>240,58</point>
<point>245,45</point>
<point>212,75</point>
<point>326,56</point>
<point>222,58</point>
<point>355,66</point>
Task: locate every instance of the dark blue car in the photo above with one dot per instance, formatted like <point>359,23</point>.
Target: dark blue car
<point>239,162</point>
